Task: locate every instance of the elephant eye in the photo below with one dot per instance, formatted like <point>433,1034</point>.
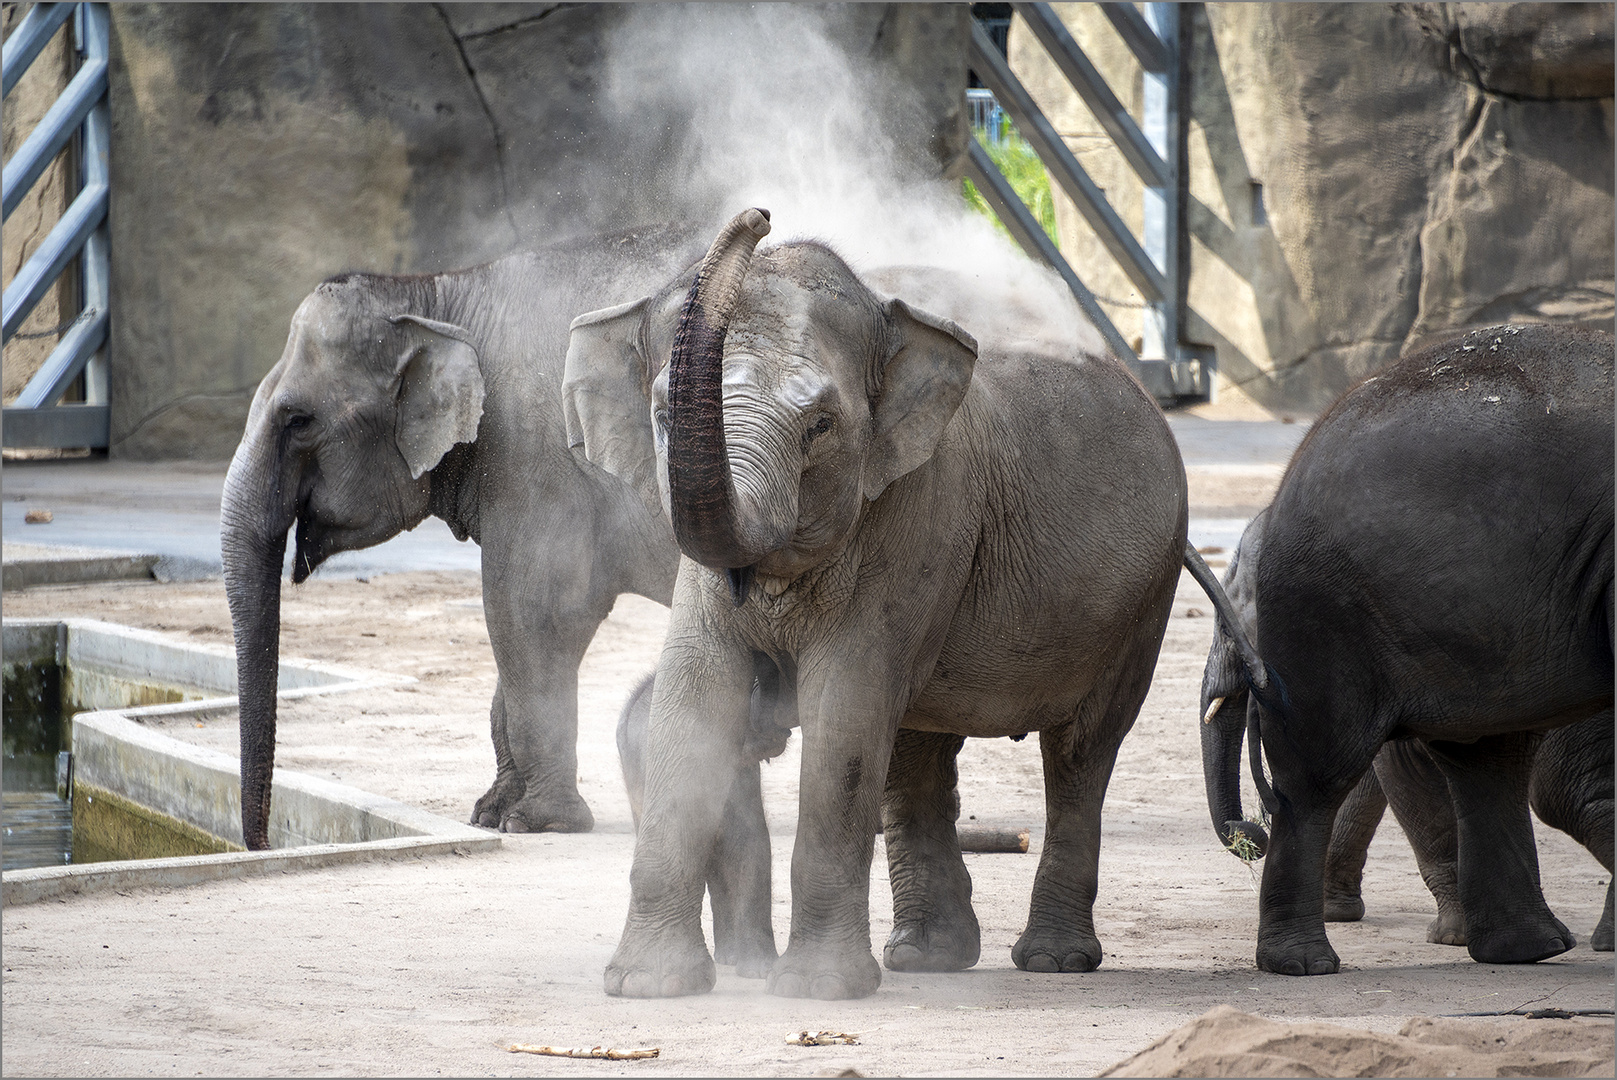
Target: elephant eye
<point>816,429</point>
<point>298,421</point>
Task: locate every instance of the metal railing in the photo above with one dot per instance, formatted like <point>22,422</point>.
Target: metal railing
<point>36,419</point>
<point>1156,263</point>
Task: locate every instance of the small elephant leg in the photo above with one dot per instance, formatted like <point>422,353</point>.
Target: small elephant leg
<point>738,880</point>
<point>1572,790</point>
<point>1420,800</point>
<point>934,927</point>
<point>1506,918</point>
<point>1355,827</point>
<point>508,787</point>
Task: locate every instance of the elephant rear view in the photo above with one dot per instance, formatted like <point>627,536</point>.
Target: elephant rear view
<point>1436,565</point>
<point>400,397</point>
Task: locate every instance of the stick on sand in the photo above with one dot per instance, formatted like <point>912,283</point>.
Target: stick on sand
<point>592,1052</point>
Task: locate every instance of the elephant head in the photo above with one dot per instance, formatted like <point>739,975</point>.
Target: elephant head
<point>1225,698</point>
<point>343,431</point>
<point>771,401</point>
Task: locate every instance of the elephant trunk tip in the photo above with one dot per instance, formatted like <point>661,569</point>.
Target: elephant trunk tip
<point>1247,840</point>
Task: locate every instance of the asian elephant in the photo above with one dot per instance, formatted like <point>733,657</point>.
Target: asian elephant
<point>738,870</point>
<point>399,397</point>
<point>1436,566</point>
<point>929,543</point>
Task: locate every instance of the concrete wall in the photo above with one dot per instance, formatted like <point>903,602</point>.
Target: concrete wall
<point>258,149</point>
<point>1364,178</point>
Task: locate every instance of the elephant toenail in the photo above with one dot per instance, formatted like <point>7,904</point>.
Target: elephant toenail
<point>1043,963</point>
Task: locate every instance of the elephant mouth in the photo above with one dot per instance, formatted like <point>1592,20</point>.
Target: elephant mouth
<point>309,552</point>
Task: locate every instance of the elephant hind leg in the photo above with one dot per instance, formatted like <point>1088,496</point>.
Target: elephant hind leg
<point>1351,834</point>
<point>1506,918</point>
<point>508,787</point>
<point>1421,802</point>
<point>1571,790</point>
<point>934,926</point>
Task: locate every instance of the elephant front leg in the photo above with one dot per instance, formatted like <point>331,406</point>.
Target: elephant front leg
<point>847,740</point>
<point>541,709</point>
<point>508,787</point>
<point>1421,802</point>
<point>934,926</point>
<point>738,881</point>
<point>1355,827</point>
<point>698,720</point>
<point>1506,918</point>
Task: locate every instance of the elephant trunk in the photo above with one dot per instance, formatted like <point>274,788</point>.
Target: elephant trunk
<point>1221,771</point>
<point>701,490</point>
<point>254,517</point>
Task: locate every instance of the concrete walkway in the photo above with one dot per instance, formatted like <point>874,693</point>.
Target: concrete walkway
<point>168,512</point>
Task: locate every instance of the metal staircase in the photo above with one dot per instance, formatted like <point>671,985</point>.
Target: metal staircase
<point>1158,263</point>
<point>79,116</point>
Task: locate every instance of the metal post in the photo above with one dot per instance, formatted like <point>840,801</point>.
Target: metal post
<point>1160,331</point>
<point>95,262</point>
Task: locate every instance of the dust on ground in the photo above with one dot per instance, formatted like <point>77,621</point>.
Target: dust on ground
<point>435,965</point>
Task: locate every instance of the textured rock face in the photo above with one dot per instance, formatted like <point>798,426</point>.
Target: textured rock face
<point>258,149</point>
<point>1364,178</point>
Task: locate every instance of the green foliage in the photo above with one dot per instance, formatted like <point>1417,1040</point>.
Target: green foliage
<point>1022,167</point>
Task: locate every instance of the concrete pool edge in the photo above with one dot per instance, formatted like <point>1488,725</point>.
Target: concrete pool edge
<point>313,822</point>
<point>200,786</point>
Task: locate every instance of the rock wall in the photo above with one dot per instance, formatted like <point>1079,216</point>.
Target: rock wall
<point>1364,178</point>
<point>258,149</point>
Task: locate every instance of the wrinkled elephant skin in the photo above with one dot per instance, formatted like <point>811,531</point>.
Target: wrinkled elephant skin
<point>939,541</point>
<point>1436,566</point>
<point>400,397</point>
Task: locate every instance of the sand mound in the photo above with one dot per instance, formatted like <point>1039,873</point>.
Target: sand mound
<point>1227,1042</point>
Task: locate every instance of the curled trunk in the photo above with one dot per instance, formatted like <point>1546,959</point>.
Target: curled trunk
<point>701,490</point>
<point>254,517</point>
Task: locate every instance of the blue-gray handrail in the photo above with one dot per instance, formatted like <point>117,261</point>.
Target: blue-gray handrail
<point>35,419</point>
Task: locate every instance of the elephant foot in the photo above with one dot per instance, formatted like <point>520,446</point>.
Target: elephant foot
<point>1447,929</point>
<point>490,809</point>
<point>1343,907</point>
<point>650,967</point>
<point>936,944</point>
<point>1308,957</point>
<point>825,973</point>
<point>1520,944</point>
<point>536,814</point>
<point>1056,950</point>
<point>752,956</point>
<point>1600,940</point>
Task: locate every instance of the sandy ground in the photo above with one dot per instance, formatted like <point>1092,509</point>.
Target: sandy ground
<point>430,966</point>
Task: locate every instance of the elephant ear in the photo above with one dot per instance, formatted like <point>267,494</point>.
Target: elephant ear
<point>440,391</point>
<point>606,396</point>
<point>923,381</point>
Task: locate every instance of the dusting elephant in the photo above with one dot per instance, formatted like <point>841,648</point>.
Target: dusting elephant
<point>927,543</point>
<point>1436,566</point>
<point>400,397</point>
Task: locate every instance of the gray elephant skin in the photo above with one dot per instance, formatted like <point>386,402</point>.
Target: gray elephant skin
<point>738,869</point>
<point>1436,566</point>
<point>1570,789</point>
<point>928,544</point>
<point>1571,786</point>
<point>399,397</point>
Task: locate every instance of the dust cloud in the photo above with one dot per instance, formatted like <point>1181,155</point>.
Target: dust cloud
<point>760,106</point>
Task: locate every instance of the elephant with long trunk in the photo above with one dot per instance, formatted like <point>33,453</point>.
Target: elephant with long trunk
<point>930,541</point>
<point>400,397</point>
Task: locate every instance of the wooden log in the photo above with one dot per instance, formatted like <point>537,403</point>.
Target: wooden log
<point>988,839</point>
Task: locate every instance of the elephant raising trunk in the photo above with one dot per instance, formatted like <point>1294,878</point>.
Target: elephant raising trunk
<point>255,514</point>
<point>701,491</point>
